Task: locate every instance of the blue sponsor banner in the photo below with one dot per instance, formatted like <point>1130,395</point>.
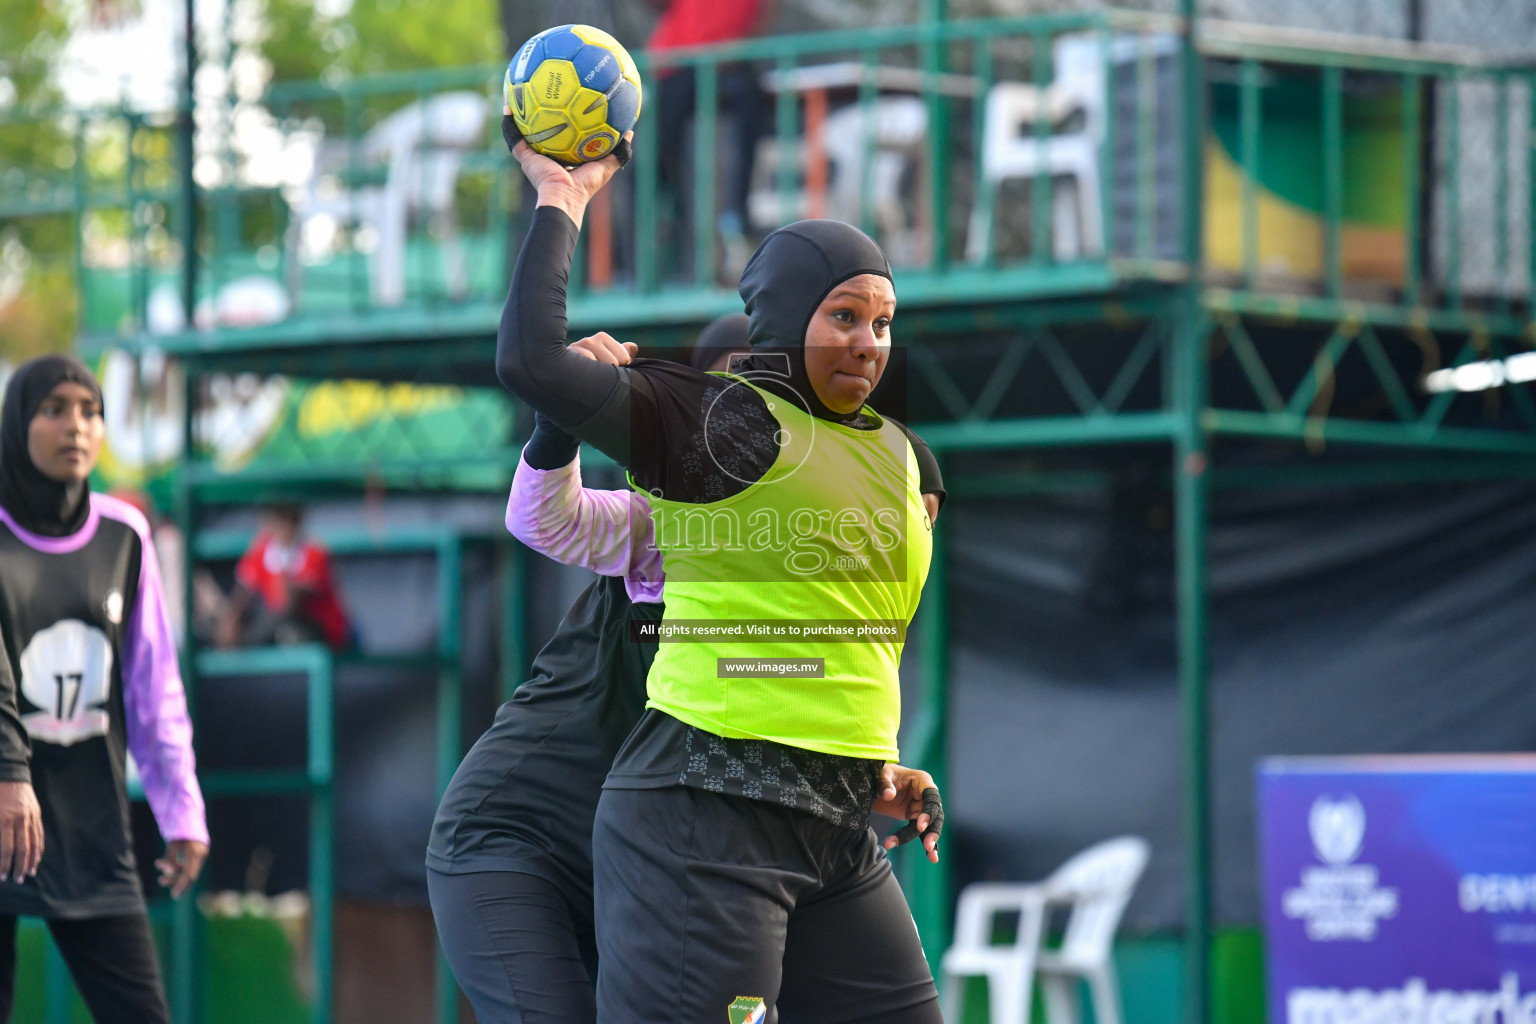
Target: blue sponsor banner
<point>1400,890</point>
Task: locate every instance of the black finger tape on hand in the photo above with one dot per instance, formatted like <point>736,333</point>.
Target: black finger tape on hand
<point>623,152</point>
<point>934,808</point>
<point>509,131</point>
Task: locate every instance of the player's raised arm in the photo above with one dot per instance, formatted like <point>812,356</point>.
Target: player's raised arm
<point>587,398</point>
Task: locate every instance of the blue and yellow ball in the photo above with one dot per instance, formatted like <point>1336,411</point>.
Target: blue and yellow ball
<point>573,91</point>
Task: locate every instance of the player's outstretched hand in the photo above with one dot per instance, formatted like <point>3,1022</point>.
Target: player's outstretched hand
<point>21,831</point>
<point>912,794</point>
<point>182,863</point>
<point>602,348</point>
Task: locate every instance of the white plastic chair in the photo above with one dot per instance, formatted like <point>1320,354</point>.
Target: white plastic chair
<point>1070,159</point>
<point>422,147</point>
<point>898,134</point>
<point>1010,149</point>
<point>1096,885</point>
<point>1010,969</point>
<point>766,206</point>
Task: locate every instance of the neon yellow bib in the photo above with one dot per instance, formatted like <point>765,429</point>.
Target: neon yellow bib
<point>824,559</point>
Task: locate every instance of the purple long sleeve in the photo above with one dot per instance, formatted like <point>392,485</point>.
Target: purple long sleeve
<point>159,731</point>
<point>609,532</point>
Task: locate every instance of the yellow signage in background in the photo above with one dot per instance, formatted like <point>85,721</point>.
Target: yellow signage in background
<point>245,419</point>
<point>332,407</point>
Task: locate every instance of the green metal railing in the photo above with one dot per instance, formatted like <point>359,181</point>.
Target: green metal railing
<point>1385,126</point>
<point>103,181</point>
<point>316,664</point>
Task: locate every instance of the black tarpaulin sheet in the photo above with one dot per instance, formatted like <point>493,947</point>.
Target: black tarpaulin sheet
<point>1359,621</point>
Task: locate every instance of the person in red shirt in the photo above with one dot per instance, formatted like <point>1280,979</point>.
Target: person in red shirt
<point>285,592</point>
<point>697,22</point>
<point>742,101</point>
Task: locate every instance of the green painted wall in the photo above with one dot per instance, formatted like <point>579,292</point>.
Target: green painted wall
<point>1151,971</point>
<point>250,974</point>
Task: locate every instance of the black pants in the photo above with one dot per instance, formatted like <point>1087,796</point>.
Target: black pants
<point>516,947</point>
<point>112,960</point>
<point>707,902</point>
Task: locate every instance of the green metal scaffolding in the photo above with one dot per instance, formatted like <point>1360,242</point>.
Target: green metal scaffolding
<point>1142,345</point>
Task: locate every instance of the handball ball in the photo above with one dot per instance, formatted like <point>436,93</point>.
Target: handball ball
<point>573,92</point>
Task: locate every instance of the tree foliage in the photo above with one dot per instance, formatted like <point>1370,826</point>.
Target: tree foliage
<point>37,301</point>
<point>299,39</point>
<point>328,39</point>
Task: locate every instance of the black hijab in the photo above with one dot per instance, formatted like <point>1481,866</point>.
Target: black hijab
<point>727,333</point>
<point>792,271</point>
<point>37,503</point>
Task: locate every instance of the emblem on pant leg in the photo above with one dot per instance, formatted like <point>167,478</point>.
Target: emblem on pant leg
<point>747,1010</point>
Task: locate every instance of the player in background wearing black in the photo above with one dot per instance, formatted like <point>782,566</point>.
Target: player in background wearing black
<point>90,673</point>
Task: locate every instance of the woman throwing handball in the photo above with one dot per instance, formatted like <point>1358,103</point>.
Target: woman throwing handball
<point>510,868</point>
<point>779,501</point>
<point>90,674</point>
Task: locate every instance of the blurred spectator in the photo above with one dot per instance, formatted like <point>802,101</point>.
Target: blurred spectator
<point>742,100</point>
<point>284,590</point>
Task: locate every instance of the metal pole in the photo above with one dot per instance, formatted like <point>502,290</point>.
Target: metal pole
<point>706,122</point>
<point>1192,95</point>
<point>986,189</point>
<point>1413,124</point>
<point>57,990</point>
<point>646,198</point>
<point>1501,193</point>
<point>82,203</point>
<point>1040,228</point>
<point>322,825</point>
<point>185,131</point>
<point>1191,499</point>
<point>138,283</point>
<point>1452,129</point>
<point>1252,82</point>
<point>450,582</point>
<point>450,718</point>
<point>1333,180</point>
<point>186,1006</point>
<point>934,60</point>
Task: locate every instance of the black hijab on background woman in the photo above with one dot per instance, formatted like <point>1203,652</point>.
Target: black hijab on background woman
<point>38,503</point>
<point>724,334</point>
